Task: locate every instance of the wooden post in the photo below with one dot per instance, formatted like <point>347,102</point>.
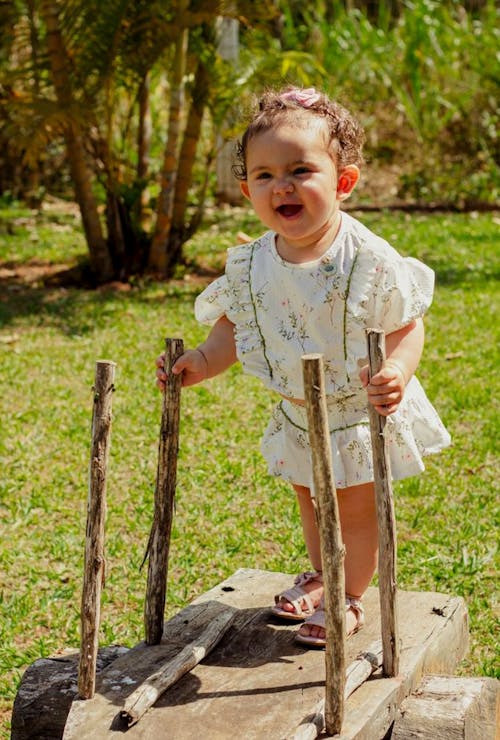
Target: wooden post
<point>386,517</point>
<point>159,538</point>
<point>94,539</point>
<point>332,548</point>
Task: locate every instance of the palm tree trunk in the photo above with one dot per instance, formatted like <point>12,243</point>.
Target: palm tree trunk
<point>32,193</point>
<point>228,189</point>
<point>144,131</point>
<point>100,260</point>
<point>158,259</point>
<point>189,147</point>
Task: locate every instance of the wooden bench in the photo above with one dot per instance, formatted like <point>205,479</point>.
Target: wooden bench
<point>257,682</point>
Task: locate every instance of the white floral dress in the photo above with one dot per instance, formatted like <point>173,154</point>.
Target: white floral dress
<point>283,310</point>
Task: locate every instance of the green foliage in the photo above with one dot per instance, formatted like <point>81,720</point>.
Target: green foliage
<point>424,83</point>
<point>229,514</point>
<point>422,76</point>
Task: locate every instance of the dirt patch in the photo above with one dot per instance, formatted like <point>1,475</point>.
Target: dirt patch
<point>38,274</point>
<point>33,273</point>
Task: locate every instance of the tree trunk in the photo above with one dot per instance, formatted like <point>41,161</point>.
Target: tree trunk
<point>100,260</point>
<point>125,248</point>
<point>180,231</point>
<point>144,131</point>
<point>158,258</point>
<point>228,189</point>
<point>32,192</point>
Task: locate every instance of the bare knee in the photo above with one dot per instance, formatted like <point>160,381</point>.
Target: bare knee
<point>357,506</point>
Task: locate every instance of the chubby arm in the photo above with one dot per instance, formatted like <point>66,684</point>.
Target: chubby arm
<point>404,350</point>
<point>213,356</point>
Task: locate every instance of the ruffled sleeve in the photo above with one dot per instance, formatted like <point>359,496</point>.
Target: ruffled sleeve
<point>213,302</point>
<point>403,292</point>
<point>229,295</point>
<point>235,296</point>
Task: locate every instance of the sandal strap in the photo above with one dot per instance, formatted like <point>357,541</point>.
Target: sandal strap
<point>304,578</point>
<point>357,607</point>
<point>296,595</point>
<point>318,618</point>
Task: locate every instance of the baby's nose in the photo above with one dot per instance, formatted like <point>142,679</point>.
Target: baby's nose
<point>283,185</point>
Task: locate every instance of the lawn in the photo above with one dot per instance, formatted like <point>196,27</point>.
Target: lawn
<point>230,514</point>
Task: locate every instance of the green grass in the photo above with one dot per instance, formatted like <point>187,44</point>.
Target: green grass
<point>230,514</point>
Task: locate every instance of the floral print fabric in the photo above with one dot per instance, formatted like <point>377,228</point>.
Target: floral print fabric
<point>282,310</point>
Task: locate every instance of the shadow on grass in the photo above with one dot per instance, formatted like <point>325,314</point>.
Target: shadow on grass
<point>63,296</point>
<point>80,311</point>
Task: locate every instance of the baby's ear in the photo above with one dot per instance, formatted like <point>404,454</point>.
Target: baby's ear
<point>347,181</point>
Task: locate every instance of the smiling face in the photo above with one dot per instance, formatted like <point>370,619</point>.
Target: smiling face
<point>294,187</point>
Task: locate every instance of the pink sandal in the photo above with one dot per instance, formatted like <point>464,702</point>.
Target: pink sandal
<point>297,597</point>
<point>318,620</point>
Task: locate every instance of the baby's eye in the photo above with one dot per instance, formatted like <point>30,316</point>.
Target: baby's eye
<point>263,176</point>
<point>302,170</point>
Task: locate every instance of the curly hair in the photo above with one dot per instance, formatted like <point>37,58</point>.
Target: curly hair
<point>346,135</point>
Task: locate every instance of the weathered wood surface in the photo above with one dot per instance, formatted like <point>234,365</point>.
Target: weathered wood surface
<point>47,690</point>
<point>357,673</point>
<point>452,708</point>
<point>166,479</point>
<point>386,517</point>
<point>148,692</point>
<point>332,546</point>
<point>258,679</point>
<point>94,564</point>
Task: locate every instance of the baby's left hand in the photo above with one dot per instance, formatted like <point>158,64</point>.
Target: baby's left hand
<point>386,388</point>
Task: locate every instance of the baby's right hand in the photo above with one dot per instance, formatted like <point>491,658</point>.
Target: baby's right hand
<point>192,365</point>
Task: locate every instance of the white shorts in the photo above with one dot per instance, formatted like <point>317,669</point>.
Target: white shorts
<point>415,430</point>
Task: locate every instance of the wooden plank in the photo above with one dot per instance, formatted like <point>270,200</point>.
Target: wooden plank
<point>258,679</point>
<point>450,707</point>
<point>47,690</point>
<point>357,673</point>
<point>148,692</point>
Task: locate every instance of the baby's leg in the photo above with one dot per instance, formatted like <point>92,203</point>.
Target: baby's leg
<point>311,537</point>
<point>358,521</point>
<point>309,525</point>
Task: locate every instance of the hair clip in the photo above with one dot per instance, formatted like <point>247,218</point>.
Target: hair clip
<point>304,97</point>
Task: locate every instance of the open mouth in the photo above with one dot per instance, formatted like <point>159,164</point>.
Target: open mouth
<point>288,210</point>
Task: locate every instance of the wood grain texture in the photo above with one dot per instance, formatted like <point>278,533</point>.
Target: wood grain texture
<point>166,480</point>
<point>357,673</point>
<point>173,669</point>
<point>94,563</point>
<point>450,707</point>
<point>386,517</point>
<point>332,547</point>
<point>257,678</point>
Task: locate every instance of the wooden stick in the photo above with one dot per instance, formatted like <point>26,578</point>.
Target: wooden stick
<point>93,578</point>
<point>357,673</point>
<point>332,548</point>
<point>385,515</point>
<point>155,685</point>
<point>159,538</point>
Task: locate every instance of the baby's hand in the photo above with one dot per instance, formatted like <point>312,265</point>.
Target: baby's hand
<point>386,388</point>
<point>192,364</point>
